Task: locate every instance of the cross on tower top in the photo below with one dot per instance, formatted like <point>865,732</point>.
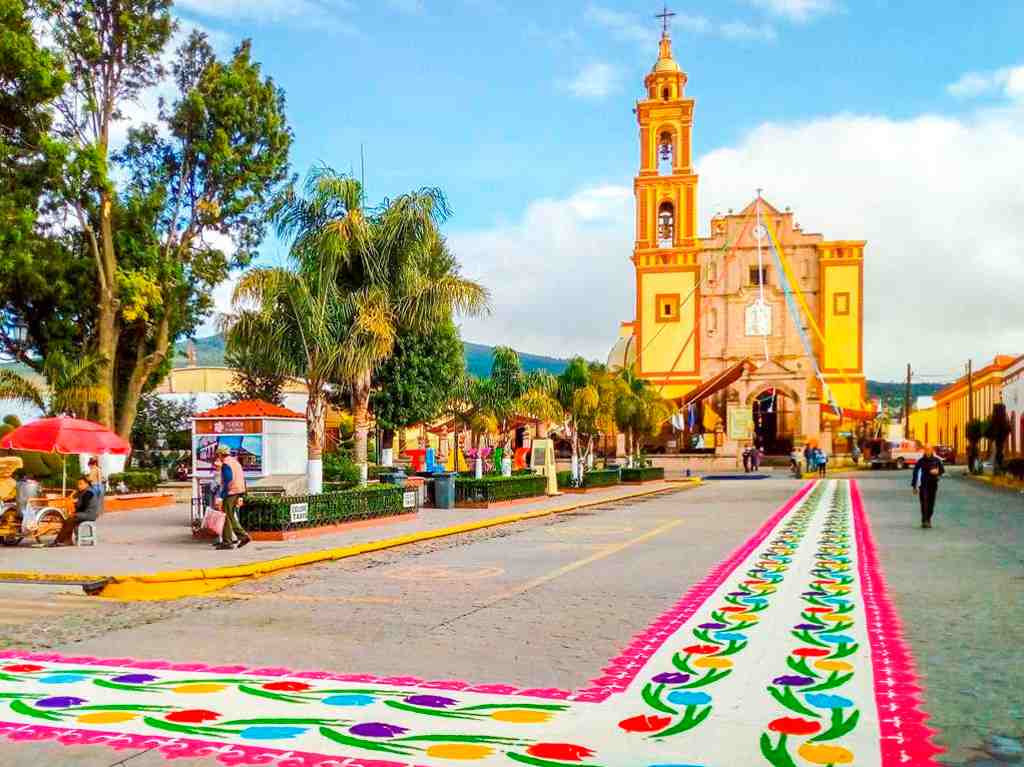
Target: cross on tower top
<point>665,16</point>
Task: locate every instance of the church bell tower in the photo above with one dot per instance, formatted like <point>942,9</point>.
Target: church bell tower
<point>666,244</point>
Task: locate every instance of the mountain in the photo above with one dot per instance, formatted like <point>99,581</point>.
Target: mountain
<point>210,353</point>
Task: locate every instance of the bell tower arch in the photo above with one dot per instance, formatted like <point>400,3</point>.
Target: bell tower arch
<point>666,243</point>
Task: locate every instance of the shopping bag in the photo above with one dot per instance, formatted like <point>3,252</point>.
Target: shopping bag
<point>214,521</point>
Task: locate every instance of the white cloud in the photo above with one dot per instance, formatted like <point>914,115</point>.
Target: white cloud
<point>797,10</point>
<point>628,27</point>
<point>1008,82</point>
<point>740,30</point>
<point>560,277</point>
<point>307,12</point>
<point>941,211</point>
<point>594,81</point>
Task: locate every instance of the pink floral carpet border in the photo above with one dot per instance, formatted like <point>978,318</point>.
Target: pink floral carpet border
<point>905,738</point>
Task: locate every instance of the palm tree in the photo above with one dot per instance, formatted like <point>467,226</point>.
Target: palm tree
<point>640,410</point>
<point>296,317</point>
<point>70,385</point>
<point>395,272</point>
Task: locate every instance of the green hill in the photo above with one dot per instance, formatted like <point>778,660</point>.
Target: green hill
<point>210,353</point>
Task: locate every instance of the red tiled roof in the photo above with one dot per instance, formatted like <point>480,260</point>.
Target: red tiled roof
<point>250,408</point>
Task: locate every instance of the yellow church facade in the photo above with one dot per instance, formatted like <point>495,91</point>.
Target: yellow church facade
<point>715,322</point>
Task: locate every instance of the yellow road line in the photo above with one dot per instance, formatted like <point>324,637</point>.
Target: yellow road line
<point>606,551</point>
<point>182,583</point>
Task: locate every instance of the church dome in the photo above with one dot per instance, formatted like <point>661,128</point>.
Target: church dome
<point>665,62</point>
<point>623,354</point>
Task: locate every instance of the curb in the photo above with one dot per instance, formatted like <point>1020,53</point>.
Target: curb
<point>183,583</point>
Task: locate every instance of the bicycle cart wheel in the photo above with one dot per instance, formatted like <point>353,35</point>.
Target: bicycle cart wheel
<point>10,527</point>
<point>50,522</point>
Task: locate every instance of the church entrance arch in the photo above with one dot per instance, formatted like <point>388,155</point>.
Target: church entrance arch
<point>776,413</point>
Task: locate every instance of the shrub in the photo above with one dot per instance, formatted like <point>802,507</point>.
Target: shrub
<point>270,514</point>
<point>492,489</point>
<point>339,467</point>
<point>137,481</point>
<point>645,474</point>
<point>1015,467</point>
<point>593,478</point>
<point>603,478</point>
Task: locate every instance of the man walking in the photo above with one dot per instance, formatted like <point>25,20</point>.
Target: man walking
<point>925,482</point>
<point>232,489</point>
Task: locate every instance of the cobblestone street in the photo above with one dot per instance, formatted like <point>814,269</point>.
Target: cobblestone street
<point>546,603</point>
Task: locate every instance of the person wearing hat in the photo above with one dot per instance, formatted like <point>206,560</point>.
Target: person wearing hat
<point>232,489</point>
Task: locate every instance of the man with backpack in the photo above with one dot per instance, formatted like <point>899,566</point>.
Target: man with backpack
<point>232,490</point>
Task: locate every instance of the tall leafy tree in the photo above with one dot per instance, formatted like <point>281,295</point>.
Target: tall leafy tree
<point>412,385</point>
<point>155,226</point>
<point>395,271</point>
<point>256,375</point>
<point>31,78</point>
<point>587,393</point>
<point>296,315</point>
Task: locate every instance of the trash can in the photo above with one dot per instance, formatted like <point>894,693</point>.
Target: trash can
<point>444,490</point>
<point>394,478</point>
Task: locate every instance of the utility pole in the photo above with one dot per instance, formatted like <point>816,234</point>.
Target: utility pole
<point>906,406</point>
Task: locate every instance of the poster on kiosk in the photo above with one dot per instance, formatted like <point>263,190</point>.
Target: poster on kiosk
<point>243,436</point>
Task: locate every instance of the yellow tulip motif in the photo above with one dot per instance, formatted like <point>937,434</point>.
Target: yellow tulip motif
<point>521,716</point>
<point>465,751</point>
<point>707,662</point>
<point>817,753</point>
<point>106,717</point>
<point>199,688</point>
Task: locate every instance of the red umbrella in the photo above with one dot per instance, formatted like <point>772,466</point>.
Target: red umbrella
<point>66,436</point>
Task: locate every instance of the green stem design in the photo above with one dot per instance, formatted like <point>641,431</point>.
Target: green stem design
<point>710,678</point>
<point>683,664</point>
<point>430,711</point>
<point>790,701</point>
<point>844,651</point>
<point>652,697</point>
<point>704,636</point>
<point>20,708</point>
<point>491,739</point>
<point>733,648</point>
<point>688,722</point>
<point>806,636</point>
<point>255,691</point>
<point>369,745</point>
<point>160,724</point>
<point>535,762</point>
<point>835,679</point>
<point>284,720</point>
<point>128,687</point>
<point>800,666</point>
<point>778,756</point>
<point>839,726</point>
<point>532,706</point>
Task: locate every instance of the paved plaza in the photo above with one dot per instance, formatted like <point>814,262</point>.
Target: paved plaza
<point>541,606</point>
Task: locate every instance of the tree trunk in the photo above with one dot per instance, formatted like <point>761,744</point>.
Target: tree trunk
<point>316,410</point>
<point>109,307</point>
<point>361,414</point>
<point>140,374</point>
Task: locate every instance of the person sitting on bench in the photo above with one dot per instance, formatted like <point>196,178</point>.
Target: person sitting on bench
<point>86,510</point>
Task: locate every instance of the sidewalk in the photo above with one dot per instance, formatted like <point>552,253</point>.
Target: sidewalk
<point>145,545</point>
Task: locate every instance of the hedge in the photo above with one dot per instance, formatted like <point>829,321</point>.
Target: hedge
<point>645,474</point>
<point>273,514</point>
<point>491,489</point>
<point>593,478</point>
<point>136,481</point>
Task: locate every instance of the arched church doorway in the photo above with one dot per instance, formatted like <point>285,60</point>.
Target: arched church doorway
<point>775,415</point>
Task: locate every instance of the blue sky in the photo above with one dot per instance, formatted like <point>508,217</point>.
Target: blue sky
<point>520,110</point>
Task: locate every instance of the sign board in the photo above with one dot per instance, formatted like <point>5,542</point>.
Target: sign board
<point>741,423</point>
<point>409,499</point>
<point>229,426</point>
<point>247,448</point>
<point>298,512</point>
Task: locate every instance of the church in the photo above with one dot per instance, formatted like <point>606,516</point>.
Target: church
<point>756,331</point>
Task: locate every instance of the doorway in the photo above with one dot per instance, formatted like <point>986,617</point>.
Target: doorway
<point>774,421</point>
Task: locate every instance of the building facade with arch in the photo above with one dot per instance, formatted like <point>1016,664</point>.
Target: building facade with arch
<point>714,323</point>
